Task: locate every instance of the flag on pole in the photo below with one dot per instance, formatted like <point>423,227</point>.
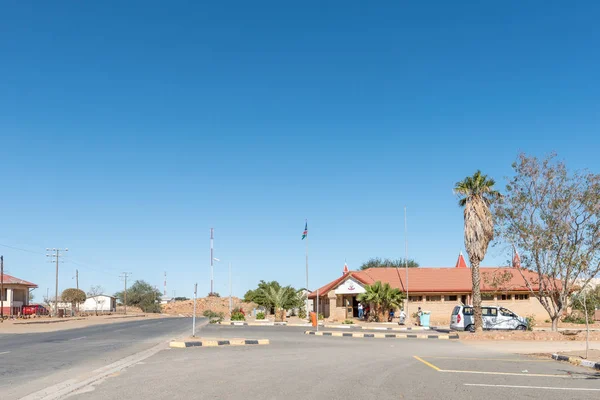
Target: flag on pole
<point>305,233</point>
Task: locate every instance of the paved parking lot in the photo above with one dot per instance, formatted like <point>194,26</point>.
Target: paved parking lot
<point>298,366</point>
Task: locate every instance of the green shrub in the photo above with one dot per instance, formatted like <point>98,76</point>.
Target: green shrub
<point>547,321</point>
<point>321,316</point>
<point>237,316</point>
<point>260,315</point>
<point>348,322</point>
<point>213,317</point>
<point>530,322</point>
<point>572,319</point>
<point>302,313</point>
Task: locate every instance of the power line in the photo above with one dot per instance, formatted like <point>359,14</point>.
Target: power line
<point>20,249</point>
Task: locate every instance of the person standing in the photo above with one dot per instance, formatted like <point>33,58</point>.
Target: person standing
<point>419,313</point>
<point>361,312</point>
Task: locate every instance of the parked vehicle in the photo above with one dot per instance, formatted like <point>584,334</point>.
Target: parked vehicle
<point>494,318</point>
<point>34,309</point>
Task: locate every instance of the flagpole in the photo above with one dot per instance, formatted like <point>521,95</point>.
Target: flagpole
<point>307,289</point>
<point>406,265</point>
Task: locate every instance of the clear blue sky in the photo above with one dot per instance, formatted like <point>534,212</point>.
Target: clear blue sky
<point>128,130</point>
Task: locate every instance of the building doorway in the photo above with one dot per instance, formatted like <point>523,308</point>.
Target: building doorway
<point>351,306</point>
<point>463,299</point>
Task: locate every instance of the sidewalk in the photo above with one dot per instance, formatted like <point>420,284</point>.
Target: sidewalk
<point>46,324</point>
<point>530,347</point>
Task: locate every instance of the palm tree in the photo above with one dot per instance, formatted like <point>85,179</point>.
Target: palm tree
<point>382,297</point>
<point>477,195</point>
<point>278,297</point>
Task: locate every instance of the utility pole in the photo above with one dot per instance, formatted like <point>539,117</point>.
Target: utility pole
<point>124,276</point>
<point>165,285</point>
<point>406,266</point>
<point>194,319</point>
<point>55,256</point>
<point>212,276</point>
<point>1,288</point>
<point>77,278</point>
<point>230,303</point>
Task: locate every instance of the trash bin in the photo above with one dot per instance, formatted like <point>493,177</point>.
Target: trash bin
<point>425,318</point>
<point>313,319</point>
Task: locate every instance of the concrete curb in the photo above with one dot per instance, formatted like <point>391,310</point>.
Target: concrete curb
<point>242,323</point>
<point>577,361</point>
<point>382,335</point>
<point>217,343</point>
<point>379,328</point>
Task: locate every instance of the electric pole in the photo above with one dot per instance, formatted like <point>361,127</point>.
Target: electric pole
<point>77,278</point>
<point>212,277</point>
<point>194,319</point>
<point>55,256</point>
<point>124,276</point>
<point>230,302</point>
<point>1,288</point>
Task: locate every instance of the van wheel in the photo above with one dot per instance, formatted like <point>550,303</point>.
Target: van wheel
<point>470,328</point>
<point>521,328</point>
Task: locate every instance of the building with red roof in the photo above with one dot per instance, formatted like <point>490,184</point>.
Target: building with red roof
<point>15,294</point>
<point>436,290</point>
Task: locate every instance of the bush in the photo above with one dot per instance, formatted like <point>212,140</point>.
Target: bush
<point>302,313</point>
<point>348,322</point>
<point>530,322</point>
<point>573,319</point>
<point>213,317</point>
<point>238,316</point>
<point>547,321</point>
<point>260,315</point>
<point>321,316</point>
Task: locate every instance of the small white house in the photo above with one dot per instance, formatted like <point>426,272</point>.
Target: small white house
<point>101,303</point>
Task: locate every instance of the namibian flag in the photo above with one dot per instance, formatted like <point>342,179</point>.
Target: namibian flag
<point>305,233</point>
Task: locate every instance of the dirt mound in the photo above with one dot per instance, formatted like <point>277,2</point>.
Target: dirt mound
<point>216,304</point>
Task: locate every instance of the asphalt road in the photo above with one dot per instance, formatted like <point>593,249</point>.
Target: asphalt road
<point>298,366</point>
<point>29,362</point>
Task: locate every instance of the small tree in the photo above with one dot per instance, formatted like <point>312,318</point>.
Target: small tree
<point>382,297</point>
<point>73,296</point>
<point>280,298</point>
<point>94,292</point>
<point>553,219</point>
<point>587,300</point>
<point>142,295</point>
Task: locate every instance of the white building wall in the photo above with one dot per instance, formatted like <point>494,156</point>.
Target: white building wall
<point>99,303</point>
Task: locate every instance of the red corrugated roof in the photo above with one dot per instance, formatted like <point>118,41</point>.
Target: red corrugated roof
<point>11,280</point>
<point>439,280</point>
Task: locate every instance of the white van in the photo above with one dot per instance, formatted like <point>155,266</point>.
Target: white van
<point>494,317</point>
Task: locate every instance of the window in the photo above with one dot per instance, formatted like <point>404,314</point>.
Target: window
<point>434,298</point>
<point>506,297</point>
<point>456,310</point>
<point>521,297</point>
<point>452,298</point>
<point>489,312</point>
<point>487,296</point>
<point>468,311</point>
<point>507,313</point>
<point>416,298</point>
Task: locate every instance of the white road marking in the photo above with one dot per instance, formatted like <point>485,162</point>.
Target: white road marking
<point>79,338</point>
<point>5,352</point>
<point>507,373</point>
<point>533,387</point>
